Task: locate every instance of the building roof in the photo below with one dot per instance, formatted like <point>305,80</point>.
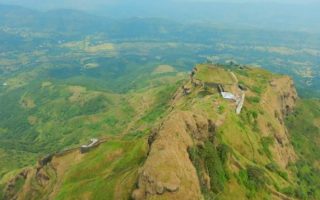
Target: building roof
<point>228,95</point>
<point>93,142</point>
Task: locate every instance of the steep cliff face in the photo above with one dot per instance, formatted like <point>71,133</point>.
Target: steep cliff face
<point>10,191</point>
<point>168,173</point>
<point>286,94</point>
<point>279,100</point>
<point>43,181</point>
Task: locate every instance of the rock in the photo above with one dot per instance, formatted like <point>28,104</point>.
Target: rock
<point>242,87</point>
<point>168,171</point>
<point>138,195</point>
<point>159,188</point>
<point>172,187</point>
<point>10,189</point>
<point>152,136</point>
<point>281,102</point>
<point>47,159</point>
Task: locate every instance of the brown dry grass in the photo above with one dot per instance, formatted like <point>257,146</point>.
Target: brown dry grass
<point>101,47</point>
<point>46,84</point>
<point>163,69</point>
<point>168,164</point>
<point>28,103</point>
<point>77,93</point>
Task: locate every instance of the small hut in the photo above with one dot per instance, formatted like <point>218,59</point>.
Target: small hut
<point>86,148</point>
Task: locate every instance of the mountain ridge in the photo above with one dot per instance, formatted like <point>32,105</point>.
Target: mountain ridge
<point>194,150</point>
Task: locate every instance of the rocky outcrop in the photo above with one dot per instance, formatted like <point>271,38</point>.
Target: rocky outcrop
<point>11,190</point>
<point>42,181</point>
<point>280,100</point>
<point>44,161</point>
<point>287,94</point>
<point>168,172</point>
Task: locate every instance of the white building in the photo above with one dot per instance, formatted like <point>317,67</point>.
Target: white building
<point>228,95</point>
<point>86,148</point>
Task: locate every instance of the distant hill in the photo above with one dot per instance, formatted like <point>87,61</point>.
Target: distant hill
<point>288,52</point>
<point>55,20</point>
<point>273,16</point>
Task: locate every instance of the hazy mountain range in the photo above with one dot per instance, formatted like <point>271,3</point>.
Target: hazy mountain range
<point>275,15</point>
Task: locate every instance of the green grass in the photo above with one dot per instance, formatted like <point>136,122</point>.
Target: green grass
<point>212,161</point>
<point>253,99</point>
<point>104,169</point>
<point>163,97</point>
<point>105,107</point>
<point>266,142</point>
<point>212,74</point>
<point>305,135</point>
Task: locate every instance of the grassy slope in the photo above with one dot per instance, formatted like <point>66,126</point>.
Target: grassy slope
<point>113,166</point>
<point>60,105</point>
<point>60,98</point>
<point>109,172</point>
<point>304,128</point>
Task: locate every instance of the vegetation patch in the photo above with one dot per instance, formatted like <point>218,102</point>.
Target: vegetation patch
<point>266,142</point>
<point>211,161</point>
<point>253,99</point>
<point>213,74</point>
<point>307,145</point>
<point>253,178</point>
<point>105,169</point>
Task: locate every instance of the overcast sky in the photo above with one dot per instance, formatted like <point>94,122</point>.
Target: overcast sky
<point>92,4</point>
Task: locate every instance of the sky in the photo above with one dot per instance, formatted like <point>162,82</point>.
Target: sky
<point>271,14</point>
<point>93,4</point>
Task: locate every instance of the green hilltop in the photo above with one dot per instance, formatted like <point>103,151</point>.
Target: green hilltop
<point>257,154</point>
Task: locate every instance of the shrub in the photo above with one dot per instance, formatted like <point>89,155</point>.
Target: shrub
<point>254,100</point>
<point>257,89</point>
<point>223,151</point>
<point>301,194</point>
<point>94,105</point>
<point>266,142</point>
<point>250,116</point>
<point>253,178</point>
<point>212,161</point>
<point>288,191</point>
<point>272,167</point>
<point>275,168</point>
<point>283,174</point>
<point>215,167</point>
<point>221,109</point>
<point>257,176</point>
